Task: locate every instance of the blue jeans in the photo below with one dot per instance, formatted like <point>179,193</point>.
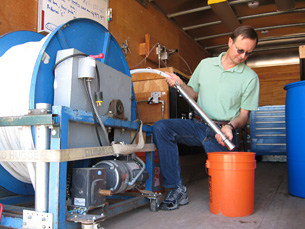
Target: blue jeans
<point>168,133</point>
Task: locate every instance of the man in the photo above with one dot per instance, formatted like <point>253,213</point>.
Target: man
<point>226,90</point>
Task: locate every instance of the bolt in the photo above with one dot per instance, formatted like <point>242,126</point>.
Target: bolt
<point>54,132</point>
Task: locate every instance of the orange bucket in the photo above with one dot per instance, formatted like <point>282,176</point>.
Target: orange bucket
<point>231,183</point>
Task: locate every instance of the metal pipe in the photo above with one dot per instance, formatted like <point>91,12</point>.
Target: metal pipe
<point>189,11</point>
<point>299,37</point>
<point>192,102</point>
<point>42,142</point>
<point>162,108</point>
<point>300,10</point>
<point>256,29</point>
<point>130,183</point>
<point>203,115</point>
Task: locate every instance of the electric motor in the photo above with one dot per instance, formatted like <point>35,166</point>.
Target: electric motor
<point>123,175</point>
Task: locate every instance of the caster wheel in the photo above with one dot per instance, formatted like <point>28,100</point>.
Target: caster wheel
<point>153,205</point>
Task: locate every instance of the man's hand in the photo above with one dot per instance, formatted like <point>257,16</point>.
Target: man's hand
<point>173,79</point>
<point>227,131</point>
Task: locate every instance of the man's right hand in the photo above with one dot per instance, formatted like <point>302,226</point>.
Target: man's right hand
<point>173,79</point>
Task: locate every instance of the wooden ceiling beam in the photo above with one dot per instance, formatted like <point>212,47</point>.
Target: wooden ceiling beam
<point>285,5</point>
<point>226,14</point>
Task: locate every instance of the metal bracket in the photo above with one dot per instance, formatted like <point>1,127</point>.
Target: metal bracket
<point>125,48</point>
<point>154,97</point>
<point>150,194</point>
<point>154,199</point>
<point>33,219</point>
<point>27,120</point>
<point>86,219</point>
<point>55,132</point>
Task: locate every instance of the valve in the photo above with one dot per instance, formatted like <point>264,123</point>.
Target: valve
<point>100,56</point>
<point>1,210</point>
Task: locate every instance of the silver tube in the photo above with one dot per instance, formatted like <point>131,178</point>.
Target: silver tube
<point>42,142</point>
<point>139,174</point>
<point>192,102</point>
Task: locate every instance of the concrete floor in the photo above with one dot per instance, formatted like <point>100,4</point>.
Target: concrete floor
<point>274,207</point>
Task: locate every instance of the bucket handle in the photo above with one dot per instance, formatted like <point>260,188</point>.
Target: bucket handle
<point>207,166</point>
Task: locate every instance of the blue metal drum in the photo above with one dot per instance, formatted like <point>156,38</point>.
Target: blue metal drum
<point>85,35</point>
<point>295,125</point>
<point>16,38</point>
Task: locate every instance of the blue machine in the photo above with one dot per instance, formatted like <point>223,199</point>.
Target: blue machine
<point>82,175</point>
<point>268,130</point>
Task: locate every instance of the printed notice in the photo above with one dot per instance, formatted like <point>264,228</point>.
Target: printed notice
<point>53,13</point>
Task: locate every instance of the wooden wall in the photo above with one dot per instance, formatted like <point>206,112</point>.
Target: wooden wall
<point>272,82</point>
<point>18,15</point>
<point>131,21</point>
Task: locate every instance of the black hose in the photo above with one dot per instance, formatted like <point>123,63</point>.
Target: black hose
<point>94,116</point>
<point>139,119</point>
<point>65,58</point>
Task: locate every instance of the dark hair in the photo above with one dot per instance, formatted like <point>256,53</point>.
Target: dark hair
<point>245,31</point>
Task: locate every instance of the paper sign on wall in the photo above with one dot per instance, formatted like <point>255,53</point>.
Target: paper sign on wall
<point>53,13</point>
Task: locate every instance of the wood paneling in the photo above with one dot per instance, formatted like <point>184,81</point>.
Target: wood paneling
<point>131,21</point>
<point>150,113</point>
<point>18,15</point>
<point>272,82</point>
<point>146,83</point>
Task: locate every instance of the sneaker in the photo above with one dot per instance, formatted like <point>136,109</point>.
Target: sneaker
<point>176,197</point>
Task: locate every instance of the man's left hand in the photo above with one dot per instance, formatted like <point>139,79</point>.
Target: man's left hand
<point>227,131</point>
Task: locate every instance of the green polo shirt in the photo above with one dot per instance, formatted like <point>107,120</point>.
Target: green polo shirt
<point>221,93</point>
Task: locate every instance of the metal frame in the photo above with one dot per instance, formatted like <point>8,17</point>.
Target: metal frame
<point>59,122</point>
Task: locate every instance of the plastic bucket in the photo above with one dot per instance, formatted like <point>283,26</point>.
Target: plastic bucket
<point>231,183</point>
<point>295,135</point>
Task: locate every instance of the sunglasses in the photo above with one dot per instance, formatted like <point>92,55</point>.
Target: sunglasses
<point>241,51</point>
